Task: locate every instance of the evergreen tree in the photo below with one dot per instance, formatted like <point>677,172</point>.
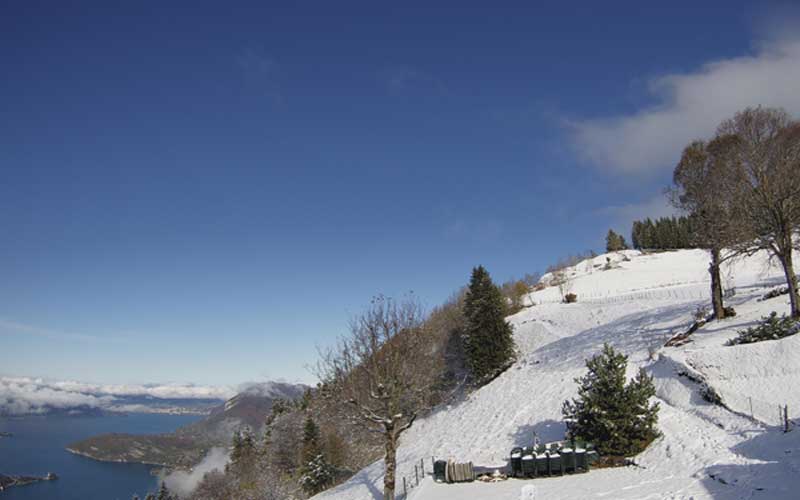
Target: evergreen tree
<point>311,440</point>
<point>163,493</point>
<point>316,472</point>
<point>615,242</point>
<point>636,235</point>
<point>317,475</point>
<point>487,338</point>
<point>243,461</point>
<point>616,417</point>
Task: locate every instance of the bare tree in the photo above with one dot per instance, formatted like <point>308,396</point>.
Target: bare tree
<point>701,188</point>
<point>563,281</point>
<point>385,370</point>
<point>766,149</point>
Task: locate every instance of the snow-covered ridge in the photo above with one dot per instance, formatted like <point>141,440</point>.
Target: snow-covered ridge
<point>634,302</point>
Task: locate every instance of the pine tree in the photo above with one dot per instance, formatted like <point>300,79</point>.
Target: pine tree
<point>163,493</point>
<point>616,417</point>
<point>317,475</point>
<point>636,235</point>
<point>487,338</point>
<point>614,242</point>
<point>316,472</point>
<point>244,455</point>
<point>311,440</point>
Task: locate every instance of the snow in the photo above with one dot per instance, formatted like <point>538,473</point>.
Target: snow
<point>636,304</point>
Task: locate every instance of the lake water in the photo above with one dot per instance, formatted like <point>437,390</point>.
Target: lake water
<point>37,447</point>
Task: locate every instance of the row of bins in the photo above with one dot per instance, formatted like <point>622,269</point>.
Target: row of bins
<point>527,462</point>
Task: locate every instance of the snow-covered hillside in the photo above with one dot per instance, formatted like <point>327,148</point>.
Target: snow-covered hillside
<point>634,302</point>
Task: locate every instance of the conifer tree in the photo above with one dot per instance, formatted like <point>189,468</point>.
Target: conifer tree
<point>615,242</point>
<point>311,440</point>
<point>244,455</point>
<point>616,417</point>
<point>317,475</point>
<point>487,338</point>
<point>163,493</point>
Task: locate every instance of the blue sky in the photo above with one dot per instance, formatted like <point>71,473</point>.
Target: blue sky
<point>202,193</point>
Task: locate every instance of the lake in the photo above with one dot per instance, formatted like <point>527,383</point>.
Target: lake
<point>37,447</point>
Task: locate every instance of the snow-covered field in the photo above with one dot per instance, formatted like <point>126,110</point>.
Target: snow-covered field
<point>634,302</point>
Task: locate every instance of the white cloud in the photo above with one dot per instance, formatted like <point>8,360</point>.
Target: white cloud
<point>184,482</point>
<point>26,395</point>
<point>690,106</point>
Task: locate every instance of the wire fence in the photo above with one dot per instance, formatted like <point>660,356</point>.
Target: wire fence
<point>405,484</point>
<point>766,412</point>
<point>682,292</point>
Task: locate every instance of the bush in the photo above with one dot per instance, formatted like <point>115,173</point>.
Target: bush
<point>616,417</point>
<point>772,327</point>
<point>570,298</point>
<point>700,314</point>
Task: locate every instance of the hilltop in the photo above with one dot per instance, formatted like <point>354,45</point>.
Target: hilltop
<point>635,302</point>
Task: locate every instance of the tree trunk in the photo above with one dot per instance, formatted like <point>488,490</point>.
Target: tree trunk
<point>390,465</point>
<point>716,285</point>
<point>791,281</point>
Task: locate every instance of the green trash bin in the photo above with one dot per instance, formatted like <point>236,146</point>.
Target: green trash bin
<point>568,459</point>
<point>580,459</point>
<point>516,462</point>
<point>556,464</point>
<point>591,457</point>
<point>541,464</point>
<point>439,467</point>
<point>528,465</point>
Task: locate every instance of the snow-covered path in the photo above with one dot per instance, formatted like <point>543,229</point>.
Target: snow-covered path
<point>706,451</point>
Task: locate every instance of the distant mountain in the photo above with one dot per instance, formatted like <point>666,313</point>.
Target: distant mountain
<point>250,407</point>
<point>187,445</point>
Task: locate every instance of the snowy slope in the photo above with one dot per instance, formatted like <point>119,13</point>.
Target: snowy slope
<point>634,302</point>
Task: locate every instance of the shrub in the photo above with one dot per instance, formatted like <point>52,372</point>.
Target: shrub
<point>700,314</point>
<point>570,298</point>
<point>772,327</point>
<point>617,417</point>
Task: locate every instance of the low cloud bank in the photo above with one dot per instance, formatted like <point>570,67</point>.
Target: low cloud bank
<point>183,482</point>
<point>26,395</point>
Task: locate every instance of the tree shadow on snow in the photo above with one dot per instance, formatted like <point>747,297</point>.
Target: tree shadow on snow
<point>773,476</point>
<point>630,334</point>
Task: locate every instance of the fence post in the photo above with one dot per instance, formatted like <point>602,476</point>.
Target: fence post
<point>405,490</point>
<point>422,467</point>
<point>751,406</point>
<point>416,474</point>
<point>786,418</point>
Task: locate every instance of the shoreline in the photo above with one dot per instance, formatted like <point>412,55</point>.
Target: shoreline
<point>8,481</point>
<point>118,460</point>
